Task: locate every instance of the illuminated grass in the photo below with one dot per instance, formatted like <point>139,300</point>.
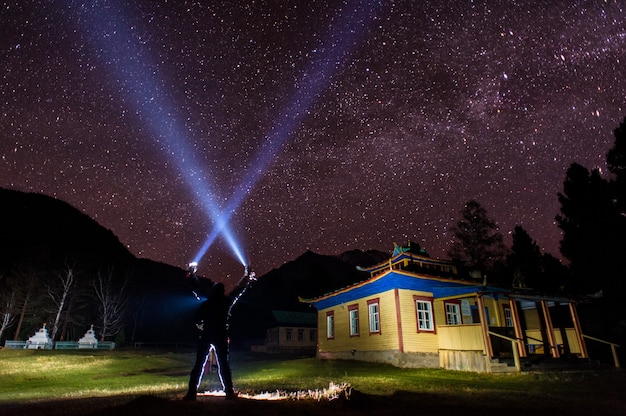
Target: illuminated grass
<point>35,374</point>
<point>31,375</point>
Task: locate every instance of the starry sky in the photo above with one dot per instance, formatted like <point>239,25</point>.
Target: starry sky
<point>287,126</point>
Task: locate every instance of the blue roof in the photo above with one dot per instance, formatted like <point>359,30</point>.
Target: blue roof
<point>396,280</point>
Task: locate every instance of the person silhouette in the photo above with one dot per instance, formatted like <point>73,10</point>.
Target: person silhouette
<point>212,320</point>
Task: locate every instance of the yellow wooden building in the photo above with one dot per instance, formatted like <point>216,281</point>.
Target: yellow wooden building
<point>415,311</point>
<point>291,333</point>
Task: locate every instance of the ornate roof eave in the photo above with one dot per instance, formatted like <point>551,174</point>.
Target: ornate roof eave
<point>543,297</point>
<point>383,275</point>
<point>402,255</point>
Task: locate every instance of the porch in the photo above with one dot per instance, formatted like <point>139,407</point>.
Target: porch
<point>539,331</point>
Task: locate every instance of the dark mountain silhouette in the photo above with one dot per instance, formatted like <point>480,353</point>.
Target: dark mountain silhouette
<point>366,258</point>
<point>47,233</point>
<point>308,276</point>
<point>43,234</point>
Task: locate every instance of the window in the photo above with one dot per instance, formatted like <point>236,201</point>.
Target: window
<point>476,315</point>
<point>300,335</point>
<point>453,313</point>
<point>424,310</point>
<point>289,334</point>
<point>374,315</point>
<point>508,316</point>
<point>312,335</point>
<point>330,325</point>
<point>353,311</point>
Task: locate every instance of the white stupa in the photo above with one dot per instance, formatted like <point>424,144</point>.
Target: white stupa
<point>41,340</point>
<point>88,340</point>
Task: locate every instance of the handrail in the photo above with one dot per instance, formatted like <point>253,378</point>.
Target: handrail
<point>534,339</point>
<point>613,345</point>
<point>505,337</point>
<point>518,365</point>
<point>600,340</point>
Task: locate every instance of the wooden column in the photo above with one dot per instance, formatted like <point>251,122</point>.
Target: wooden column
<point>578,330</point>
<point>484,325</point>
<point>517,326</point>
<point>554,349</point>
<point>399,320</point>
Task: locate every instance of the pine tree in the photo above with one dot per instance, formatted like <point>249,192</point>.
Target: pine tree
<point>533,269</point>
<point>479,245</point>
<point>525,258</point>
<point>589,220</point>
<point>616,163</point>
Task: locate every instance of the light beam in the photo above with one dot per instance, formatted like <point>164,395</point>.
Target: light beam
<point>107,27</point>
<point>341,41</point>
<point>108,30</point>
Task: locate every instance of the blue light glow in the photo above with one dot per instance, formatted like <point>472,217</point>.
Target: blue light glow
<point>108,28</point>
<point>340,43</point>
<point>120,48</point>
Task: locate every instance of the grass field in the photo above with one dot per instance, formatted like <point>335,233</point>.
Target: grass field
<point>152,382</point>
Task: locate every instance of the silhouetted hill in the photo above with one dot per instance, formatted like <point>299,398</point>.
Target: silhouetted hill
<point>366,258</point>
<point>40,237</point>
<point>47,233</point>
<point>308,276</point>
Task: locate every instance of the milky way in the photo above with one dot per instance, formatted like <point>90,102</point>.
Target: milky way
<point>418,107</point>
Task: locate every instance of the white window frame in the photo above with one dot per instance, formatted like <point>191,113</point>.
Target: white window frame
<point>330,325</point>
<point>424,314</point>
<point>353,313</point>
<point>453,313</point>
<point>373,308</point>
<point>508,316</point>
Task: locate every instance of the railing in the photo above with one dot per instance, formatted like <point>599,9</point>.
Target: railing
<point>60,345</point>
<point>106,345</point>
<point>15,345</point>
<point>613,348</point>
<point>514,347</point>
<point>66,345</point>
<point>538,339</point>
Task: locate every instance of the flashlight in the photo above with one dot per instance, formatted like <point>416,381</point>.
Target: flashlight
<point>249,273</point>
<point>192,269</point>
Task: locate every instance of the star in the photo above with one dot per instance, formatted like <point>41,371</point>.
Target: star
<point>424,107</point>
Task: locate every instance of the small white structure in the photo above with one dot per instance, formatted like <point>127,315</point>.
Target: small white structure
<point>88,340</point>
<point>41,340</point>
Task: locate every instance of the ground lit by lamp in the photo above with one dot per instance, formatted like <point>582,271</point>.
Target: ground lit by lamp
<point>334,391</point>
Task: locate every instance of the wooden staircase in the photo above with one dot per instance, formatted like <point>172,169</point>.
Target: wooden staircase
<point>498,366</point>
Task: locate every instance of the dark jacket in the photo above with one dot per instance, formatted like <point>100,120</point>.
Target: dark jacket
<point>213,313</point>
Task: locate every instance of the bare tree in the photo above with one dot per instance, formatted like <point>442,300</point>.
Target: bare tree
<point>7,311</point>
<point>59,295</point>
<point>24,287</point>
<point>112,301</point>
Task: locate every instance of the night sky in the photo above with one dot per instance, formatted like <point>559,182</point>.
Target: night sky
<point>306,125</point>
